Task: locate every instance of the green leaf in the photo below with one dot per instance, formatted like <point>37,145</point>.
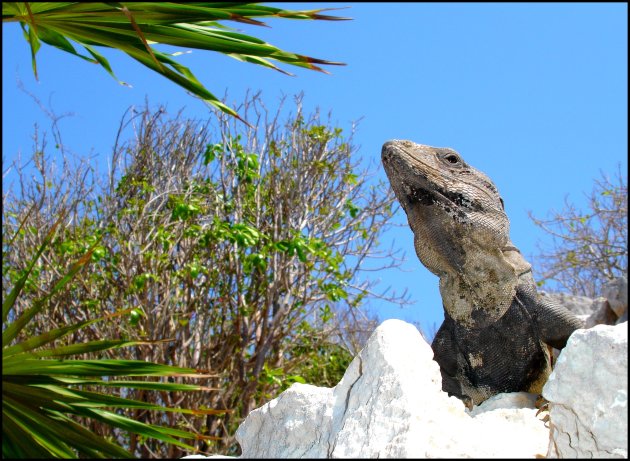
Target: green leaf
<point>137,427</point>
<point>74,349</point>
<point>296,379</point>
<point>51,432</point>
<point>352,208</point>
<point>94,368</point>
<point>34,44</point>
<point>57,40</point>
<point>51,335</point>
<point>67,380</point>
<point>72,398</point>
<point>17,442</point>
<point>105,63</point>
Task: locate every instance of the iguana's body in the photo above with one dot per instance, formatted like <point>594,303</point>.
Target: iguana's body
<point>496,325</point>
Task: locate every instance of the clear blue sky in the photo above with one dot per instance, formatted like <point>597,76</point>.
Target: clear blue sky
<point>533,94</point>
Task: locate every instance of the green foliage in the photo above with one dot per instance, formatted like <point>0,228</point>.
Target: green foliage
<point>325,362</point>
<point>132,27</point>
<point>241,248</point>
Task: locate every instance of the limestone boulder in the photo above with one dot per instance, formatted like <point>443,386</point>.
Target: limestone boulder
<point>588,395</point>
<point>582,306</point>
<point>390,404</point>
<point>616,291</point>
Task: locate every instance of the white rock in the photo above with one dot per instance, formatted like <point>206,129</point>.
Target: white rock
<point>296,424</point>
<point>390,404</point>
<point>588,395</point>
<point>513,400</point>
<point>609,309</point>
<point>208,457</point>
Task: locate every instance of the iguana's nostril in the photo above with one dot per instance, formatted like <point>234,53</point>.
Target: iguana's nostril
<point>386,150</point>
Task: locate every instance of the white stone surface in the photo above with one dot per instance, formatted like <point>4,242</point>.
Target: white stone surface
<point>296,424</point>
<point>207,457</point>
<point>390,404</point>
<point>588,395</point>
<point>513,400</point>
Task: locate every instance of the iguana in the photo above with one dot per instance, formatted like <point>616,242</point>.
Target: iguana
<point>496,326</point>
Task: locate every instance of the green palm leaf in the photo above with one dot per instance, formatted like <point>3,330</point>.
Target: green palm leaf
<point>49,336</point>
<point>50,434</point>
<point>152,385</point>
<point>132,27</point>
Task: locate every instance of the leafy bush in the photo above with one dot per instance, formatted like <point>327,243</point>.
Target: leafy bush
<point>243,246</point>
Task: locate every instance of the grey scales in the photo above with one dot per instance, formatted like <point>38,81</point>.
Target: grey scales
<point>496,328</point>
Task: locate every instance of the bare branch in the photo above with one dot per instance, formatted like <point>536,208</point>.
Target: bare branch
<point>588,248</point>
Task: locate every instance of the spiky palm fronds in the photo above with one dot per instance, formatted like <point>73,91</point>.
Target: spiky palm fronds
<point>132,27</point>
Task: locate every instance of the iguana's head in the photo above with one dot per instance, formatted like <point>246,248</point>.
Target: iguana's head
<point>435,186</point>
<point>461,231</point>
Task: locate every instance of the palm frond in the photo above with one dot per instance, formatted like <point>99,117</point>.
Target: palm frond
<point>133,27</point>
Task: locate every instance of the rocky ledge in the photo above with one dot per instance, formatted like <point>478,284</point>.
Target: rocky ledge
<point>389,403</point>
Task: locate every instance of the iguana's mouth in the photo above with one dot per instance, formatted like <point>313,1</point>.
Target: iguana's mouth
<point>418,188</point>
<point>423,196</point>
<point>436,196</point>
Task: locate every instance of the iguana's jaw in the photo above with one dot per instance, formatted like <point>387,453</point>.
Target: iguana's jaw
<point>412,185</point>
<point>407,186</point>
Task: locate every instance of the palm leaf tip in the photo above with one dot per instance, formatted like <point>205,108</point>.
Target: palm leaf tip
<point>311,64</point>
<point>315,14</point>
<point>323,61</point>
<point>243,19</point>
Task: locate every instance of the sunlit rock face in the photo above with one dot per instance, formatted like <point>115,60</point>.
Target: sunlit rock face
<point>390,403</point>
<point>588,395</point>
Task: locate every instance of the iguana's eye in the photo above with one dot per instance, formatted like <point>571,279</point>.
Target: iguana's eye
<point>451,158</point>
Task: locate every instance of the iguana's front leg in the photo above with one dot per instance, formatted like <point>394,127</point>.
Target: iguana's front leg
<point>553,321</point>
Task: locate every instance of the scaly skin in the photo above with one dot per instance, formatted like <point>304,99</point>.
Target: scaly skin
<point>496,324</point>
